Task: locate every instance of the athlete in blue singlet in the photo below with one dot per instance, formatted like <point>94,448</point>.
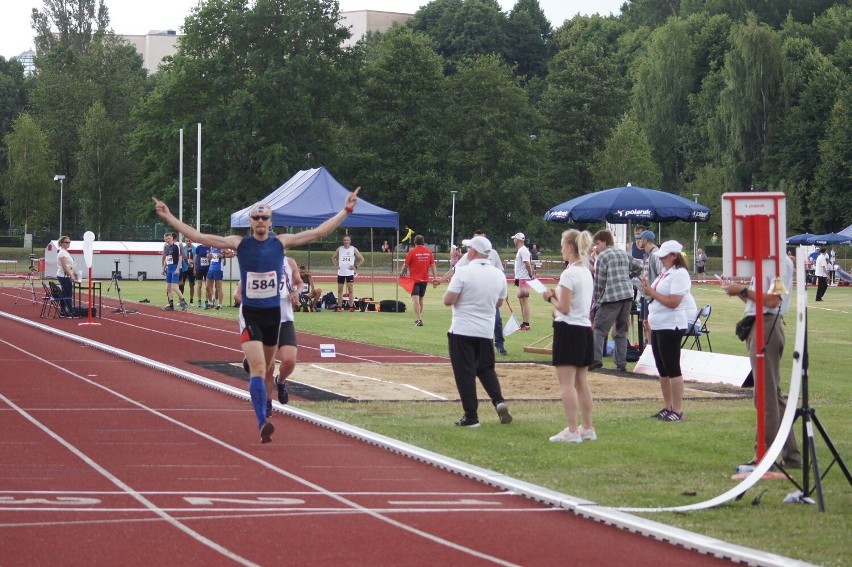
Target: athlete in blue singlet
<point>260,256</point>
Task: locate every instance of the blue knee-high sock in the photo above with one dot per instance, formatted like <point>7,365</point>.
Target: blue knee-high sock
<point>257,389</point>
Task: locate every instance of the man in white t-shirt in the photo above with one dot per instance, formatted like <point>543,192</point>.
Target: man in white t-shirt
<point>348,260</point>
<point>475,293</point>
<point>523,274</point>
<point>821,273</point>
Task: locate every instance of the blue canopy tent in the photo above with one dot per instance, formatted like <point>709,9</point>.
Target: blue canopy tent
<point>830,238</point>
<point>313,196</point>
<point>846,231</point>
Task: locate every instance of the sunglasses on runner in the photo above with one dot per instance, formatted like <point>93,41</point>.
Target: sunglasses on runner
<point>260,217</point>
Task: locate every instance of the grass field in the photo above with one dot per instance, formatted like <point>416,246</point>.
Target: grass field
<point>637,461</point>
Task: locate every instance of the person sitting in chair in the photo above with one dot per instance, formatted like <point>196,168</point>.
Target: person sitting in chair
<point>313,294</point>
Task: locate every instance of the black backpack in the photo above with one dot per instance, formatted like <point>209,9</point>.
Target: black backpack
<point>392,306</point>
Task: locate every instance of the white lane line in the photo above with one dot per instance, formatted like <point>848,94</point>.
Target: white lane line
<point>378,380</point>
<point>114,479</point>
<point>305,482</point>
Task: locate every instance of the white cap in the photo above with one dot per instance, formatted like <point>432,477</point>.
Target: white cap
<point>519,236</point>
<point>668,247</point>
<point>479,243</point>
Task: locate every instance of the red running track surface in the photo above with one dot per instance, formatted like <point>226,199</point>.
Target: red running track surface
<point>104,460</point>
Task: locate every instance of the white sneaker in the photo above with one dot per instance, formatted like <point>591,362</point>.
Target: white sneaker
<point>567,436</point>
<point>503,413</point>
<point>587,434</point>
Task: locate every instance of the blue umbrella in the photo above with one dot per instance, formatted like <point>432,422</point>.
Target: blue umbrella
<point>622,205</point>
<point>800,238</point>
<point>830,238</point>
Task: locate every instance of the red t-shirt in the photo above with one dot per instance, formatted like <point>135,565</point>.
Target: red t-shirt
<point>418,261</point>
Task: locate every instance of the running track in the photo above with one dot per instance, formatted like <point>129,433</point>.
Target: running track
<point>105,460</point>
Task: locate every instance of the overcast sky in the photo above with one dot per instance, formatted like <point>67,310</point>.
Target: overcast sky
<point>135,17</point>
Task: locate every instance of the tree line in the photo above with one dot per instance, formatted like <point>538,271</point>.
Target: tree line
<point>508,111</point>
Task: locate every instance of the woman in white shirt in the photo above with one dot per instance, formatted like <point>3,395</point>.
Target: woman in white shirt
<point>667,315</point>
<point>573,338</point>
<point>66,272</point>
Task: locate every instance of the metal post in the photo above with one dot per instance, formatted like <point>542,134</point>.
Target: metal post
<point>198,183</point>
<point>453,222</point>
<point>61,179</point>
<point>695,240</point>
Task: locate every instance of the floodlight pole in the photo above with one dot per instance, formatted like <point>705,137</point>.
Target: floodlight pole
<point>61,179</point>
<point>453,222</point>
<point>695,241</point>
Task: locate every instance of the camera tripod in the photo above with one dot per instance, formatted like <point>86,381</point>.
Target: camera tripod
<point>30,280</point>
<point>810,464</point>
<point>116,275</point>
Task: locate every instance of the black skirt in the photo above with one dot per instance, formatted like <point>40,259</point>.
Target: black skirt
<point>573,345</point>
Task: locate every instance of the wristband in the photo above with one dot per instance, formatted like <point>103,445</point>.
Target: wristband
<point>744,293</point>
<point>349,210</point>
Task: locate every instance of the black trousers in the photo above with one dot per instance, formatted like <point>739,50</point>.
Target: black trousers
<point>472,358</point>
<point>822,285</point>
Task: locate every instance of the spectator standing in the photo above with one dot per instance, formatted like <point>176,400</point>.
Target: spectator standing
<point>173,256</point>
<point>667,315</point>
<point>636,250</point>
<point>409,234</point>
<point>774,401</point>
<point>494,260</point>
<point>419,261</point>
<point>202,264</point>
<point>348,259</point>
<point>701,265</point>
<point>66,273</point>
<point>475,293</point>
<point>187,267</point>
<point>215,275</point>
<point>821,273</point>
<point>651,268</point>
<point>613,297</point>
<point>523,274</point>
<point>573,339</point>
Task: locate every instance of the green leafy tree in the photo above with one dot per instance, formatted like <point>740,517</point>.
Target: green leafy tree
<point>269,81</point>
<point>399,132</point>
<point>751,99</point>
<point>584,100</point>
<point>664,79</point>
<point>832,199</point>
<point>103,172</point>
<point>494,155</point>
<point>479,28</point>
<point>13,96</point>
<point>27,187</point>
<point>77,23</point>
<point>528,35</point>
<point>627,158</point>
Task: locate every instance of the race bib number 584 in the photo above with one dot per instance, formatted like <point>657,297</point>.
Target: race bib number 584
<point>261,285</point>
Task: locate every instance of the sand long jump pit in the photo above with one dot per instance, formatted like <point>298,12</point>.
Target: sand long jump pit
<point>435,382</point>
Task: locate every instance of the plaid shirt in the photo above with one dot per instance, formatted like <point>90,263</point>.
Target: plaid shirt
<point>613,270</point>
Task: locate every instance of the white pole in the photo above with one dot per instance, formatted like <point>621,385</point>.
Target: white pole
<point>60,204</point>
<point>180,179</point>
<point>198,184</point>
<point>453,222</point>
<point>695,240</point>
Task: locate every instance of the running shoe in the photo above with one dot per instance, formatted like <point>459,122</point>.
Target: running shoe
<point>283,394</point>
<point>524,327</point>
<point>567,436</point>
<point>418,323</point>
<point>339,309</point>
<point>183,305</point>
<point>661,414</point>
<point>268,409</point>
<point>199,305</point>
<point>588,434</point>
<point>168,308</point>
<point>218,307</point>
<point>266,431</point>
<point>673,416</point>
<point>503,412</point>
<point>467,422</point>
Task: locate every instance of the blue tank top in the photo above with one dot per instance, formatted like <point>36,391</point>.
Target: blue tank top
<point>260,270</point>
<point>215,260</point>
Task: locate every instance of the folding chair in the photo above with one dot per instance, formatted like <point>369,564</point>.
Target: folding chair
<point>699,329</point>
<point>58,296</point>
<point>50,306</point>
